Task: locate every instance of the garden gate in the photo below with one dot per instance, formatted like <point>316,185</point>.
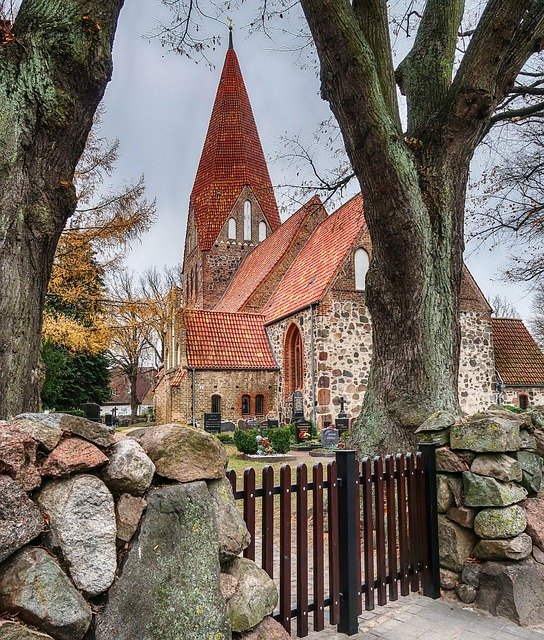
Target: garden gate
<point>390,536</point>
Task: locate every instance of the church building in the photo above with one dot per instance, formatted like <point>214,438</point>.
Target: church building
<point>270,308</point>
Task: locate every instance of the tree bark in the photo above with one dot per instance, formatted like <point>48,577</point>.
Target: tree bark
<point>52,77</point>
<point>414,185</point>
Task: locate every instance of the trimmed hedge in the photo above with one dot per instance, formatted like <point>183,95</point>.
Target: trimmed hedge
<point>280,439</point>
<point>246,440</point>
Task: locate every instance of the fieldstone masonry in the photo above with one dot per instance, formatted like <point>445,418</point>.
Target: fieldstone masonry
<point>132,540</point>
<point>491,522</point>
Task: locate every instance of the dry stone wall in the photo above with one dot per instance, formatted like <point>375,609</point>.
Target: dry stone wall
<point>491,510</point>
<point>116,538</point>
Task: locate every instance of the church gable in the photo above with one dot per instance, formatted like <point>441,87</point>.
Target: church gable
<point>264,267</point>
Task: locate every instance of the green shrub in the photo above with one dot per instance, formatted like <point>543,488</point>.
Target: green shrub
<point>280,439</point>
<point>246,440</point>
<point>226,437</point>
<point>512,408</point>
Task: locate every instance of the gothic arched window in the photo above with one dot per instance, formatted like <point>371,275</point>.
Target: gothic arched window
<point>259,405</point>
<point>361,268</point>
<point>293,360</point>
<point>247,220</point>
<point>245,405</point>
<point>216,403</point>
<point>232,229</point>
<point>262,231</point>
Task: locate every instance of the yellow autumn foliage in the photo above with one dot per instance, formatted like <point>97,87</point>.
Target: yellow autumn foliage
<point>75,336</point>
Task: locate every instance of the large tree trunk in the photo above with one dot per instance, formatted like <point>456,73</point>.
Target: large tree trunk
<point>414,184</point>
<point>52,77</point>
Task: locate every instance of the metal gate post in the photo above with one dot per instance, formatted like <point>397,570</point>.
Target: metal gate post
<point>431,577</point>
<point>348,511</point>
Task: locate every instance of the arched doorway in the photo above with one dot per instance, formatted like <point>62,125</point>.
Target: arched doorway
<point>293,360</point>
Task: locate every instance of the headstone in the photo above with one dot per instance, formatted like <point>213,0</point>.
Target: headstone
<point>298,407</point>
<point>272,424</point>
<point>341,424</point>
<point>92,411</point>
<point>212,422</point>
<point>329,437</point>
<point>303,426</point>
<point>227,426</point>
<point>342,413</point>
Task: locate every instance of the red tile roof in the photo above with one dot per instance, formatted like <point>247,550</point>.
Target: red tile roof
<point>232,158</point>
<point>315,267</point>
<point>471,296</point>
<point>262,260</point>
<point>178,378</point>
<point>518,358</point>
<point>219,340</point>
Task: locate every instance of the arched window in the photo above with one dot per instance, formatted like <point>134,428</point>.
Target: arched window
<point>216,403</point>
<point>247,220</point>
<point>262,231</point>
<point>293,360</point>
<point>523,401</point>
<point>361,269</point>
<point>259,405</point>
<point>232,229</point>
<point>245,405</point>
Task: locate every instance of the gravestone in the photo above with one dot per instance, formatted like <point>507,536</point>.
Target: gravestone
<point>272,424</point>
<point>303,426</point>
<point>212,422</point>
<point>342,424</point>
<point>329,437</point>
<point>227,426</point>
<point>91,410</point>
<point>298,407</point>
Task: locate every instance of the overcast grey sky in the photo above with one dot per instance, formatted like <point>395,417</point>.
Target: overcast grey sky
<point>158,104</point>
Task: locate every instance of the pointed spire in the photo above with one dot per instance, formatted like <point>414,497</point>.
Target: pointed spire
<point>231,159</point>
<point>231,45</point>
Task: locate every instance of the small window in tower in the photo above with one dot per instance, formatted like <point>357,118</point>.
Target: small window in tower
<point>232,229</point>
<point>216,403</point>
<point>247,220</point>
<point>262,231</point>
<point>523,401</point>
<point>245,405</point>
<point>361,269</point>
<point>259,405</point>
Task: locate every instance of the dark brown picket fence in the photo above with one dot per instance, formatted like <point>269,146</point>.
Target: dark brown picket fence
<point>333,550</point>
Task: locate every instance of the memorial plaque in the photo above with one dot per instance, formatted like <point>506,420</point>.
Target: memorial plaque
<point>212,422</point>
<point>329,437</point>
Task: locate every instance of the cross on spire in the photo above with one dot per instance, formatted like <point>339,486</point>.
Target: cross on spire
<point>230,21</point>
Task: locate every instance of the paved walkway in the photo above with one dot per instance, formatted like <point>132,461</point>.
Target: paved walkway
<point>418,618</point>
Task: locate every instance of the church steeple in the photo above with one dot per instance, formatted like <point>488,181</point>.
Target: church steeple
<point>232,159</point>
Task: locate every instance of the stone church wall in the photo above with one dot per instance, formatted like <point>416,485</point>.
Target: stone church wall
<point>477,362</point>
<point>535,395</point>
<point>343,350</point>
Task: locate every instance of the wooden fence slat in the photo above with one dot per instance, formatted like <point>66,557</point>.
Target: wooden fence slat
<point>268,521</point>
<point>368,537</point>
<point>391,527</point>
<point>302,551</point>
<point>414,541</point>
<point>403,525</point>
<point>285,547</point>
<point>381,574</point>
<point>334,580</point>
<point>249,511</point>
<point>318,548</point>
